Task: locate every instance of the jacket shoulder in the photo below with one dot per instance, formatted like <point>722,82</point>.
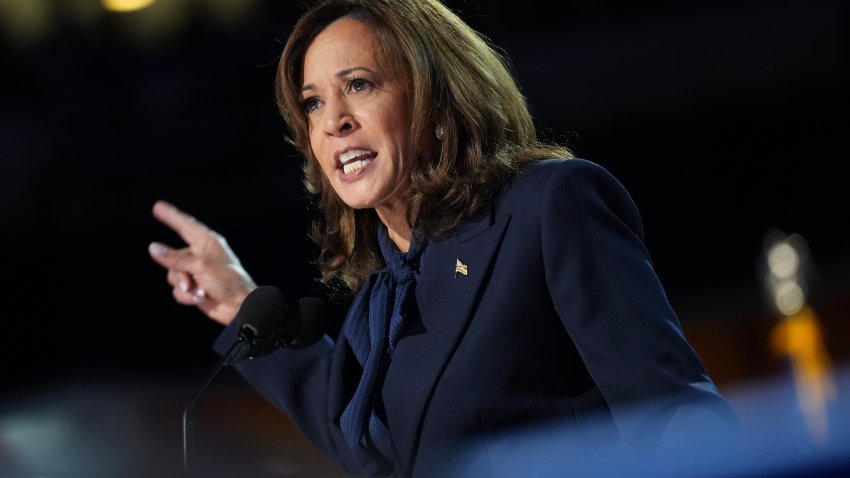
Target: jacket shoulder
<point>556,176</point>
<point>544,169</point>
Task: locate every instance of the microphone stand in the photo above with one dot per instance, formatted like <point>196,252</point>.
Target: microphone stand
<point>234,351</point>
<point>262,329</point>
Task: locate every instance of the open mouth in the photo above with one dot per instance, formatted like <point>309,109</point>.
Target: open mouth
<point>356,159</point>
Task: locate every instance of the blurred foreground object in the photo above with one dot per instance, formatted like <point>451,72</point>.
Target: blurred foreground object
<point>799,335</point>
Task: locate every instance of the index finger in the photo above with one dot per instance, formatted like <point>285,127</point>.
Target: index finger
<point>187,227</point>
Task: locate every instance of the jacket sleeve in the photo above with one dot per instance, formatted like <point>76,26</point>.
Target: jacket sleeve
<point>607,294</point>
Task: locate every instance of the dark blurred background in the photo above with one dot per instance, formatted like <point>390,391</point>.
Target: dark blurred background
<point>725,120</point>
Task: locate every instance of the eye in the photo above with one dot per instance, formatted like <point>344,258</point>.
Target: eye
<point>358,85</point>
<point>311,104</point>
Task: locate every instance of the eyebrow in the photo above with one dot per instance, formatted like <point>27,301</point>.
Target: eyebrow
<point>339,74</point>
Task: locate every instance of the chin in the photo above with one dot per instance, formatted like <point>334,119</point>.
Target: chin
<point>358,203</point>
<point>357,198</point>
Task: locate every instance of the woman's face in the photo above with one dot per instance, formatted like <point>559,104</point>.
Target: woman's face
<point>358,117</point>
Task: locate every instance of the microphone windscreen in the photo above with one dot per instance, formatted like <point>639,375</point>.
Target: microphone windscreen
<point>305,323</point>
<point>262,312</point>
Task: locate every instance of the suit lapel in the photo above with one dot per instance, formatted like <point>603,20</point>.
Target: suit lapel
<point>446,299</point>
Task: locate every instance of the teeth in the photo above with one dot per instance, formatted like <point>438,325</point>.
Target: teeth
<point>349,155</point>
<point>355,166</point>
<point>350,163</point>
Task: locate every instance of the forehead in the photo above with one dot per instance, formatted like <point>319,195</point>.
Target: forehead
<point>342,44</point>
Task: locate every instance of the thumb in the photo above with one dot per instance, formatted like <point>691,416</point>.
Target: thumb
<point>170,258</point>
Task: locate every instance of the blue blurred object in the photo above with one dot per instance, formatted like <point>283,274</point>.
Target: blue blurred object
<point>775,442</point>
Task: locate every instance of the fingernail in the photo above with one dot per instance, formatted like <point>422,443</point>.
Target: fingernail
<point>183,285</point>
<point>157,249</point>
<point>199,295</point>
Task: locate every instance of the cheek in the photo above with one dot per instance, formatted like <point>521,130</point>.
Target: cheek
<point>400,129</point>
<point>316,146</point>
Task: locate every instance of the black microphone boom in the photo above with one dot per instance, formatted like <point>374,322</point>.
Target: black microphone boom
<point>264,324</point>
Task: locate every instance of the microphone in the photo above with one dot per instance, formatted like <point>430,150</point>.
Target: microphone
<point>259,320</point>
<point>264,324</point>
<point>305,324</point>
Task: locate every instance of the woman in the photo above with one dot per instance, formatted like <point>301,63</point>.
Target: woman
<point>497,284</point>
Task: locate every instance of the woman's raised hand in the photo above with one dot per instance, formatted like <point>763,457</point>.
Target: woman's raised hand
<point>205,273</point>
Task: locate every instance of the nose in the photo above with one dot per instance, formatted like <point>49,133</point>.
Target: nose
<point>339,120</point>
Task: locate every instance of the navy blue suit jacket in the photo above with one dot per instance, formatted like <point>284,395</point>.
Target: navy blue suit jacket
<point>560,318</point>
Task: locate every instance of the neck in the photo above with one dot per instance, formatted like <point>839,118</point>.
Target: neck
<point>395,217</point>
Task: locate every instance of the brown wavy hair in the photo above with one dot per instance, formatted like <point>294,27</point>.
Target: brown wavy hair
<point>454,79</point>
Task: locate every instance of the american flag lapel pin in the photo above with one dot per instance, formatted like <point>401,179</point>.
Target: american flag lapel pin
<point>461,268</point>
